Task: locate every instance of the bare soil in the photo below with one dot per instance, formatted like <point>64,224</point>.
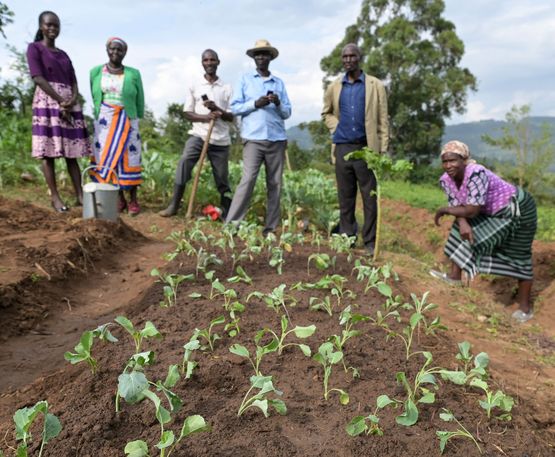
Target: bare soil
<point>60,275</point>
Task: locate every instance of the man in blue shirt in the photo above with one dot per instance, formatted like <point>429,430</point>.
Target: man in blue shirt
<point>355,112</point>
<point>261,101</point>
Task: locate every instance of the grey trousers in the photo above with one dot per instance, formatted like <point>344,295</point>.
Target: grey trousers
<point>348,174</point>
<point>218,156</point>
<point>255,153</point>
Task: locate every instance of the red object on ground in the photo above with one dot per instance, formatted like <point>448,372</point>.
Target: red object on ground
<point>212,212</point>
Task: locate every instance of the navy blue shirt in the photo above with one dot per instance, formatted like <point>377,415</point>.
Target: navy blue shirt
<point>352,106</point>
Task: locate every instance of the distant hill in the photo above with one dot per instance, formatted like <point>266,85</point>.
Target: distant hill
<point>469,133</point>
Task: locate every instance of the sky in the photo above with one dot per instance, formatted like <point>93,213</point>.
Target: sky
<point>509,45</point>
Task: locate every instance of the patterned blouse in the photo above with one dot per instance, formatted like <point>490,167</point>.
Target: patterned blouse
<point>112,87</point>
<point>480,187</point>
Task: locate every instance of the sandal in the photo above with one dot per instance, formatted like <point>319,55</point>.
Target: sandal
<point>60,209</point>
<point>521,317</point>
<point>445,278</point>
<point>134,208</point>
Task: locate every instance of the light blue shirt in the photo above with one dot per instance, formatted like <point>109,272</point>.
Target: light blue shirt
<point>266,123</point>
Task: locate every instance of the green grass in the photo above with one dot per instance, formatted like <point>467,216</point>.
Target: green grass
<point>431,198</point>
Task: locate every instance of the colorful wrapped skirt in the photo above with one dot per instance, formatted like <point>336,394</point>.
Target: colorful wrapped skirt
<point>117,146</point>
<point>53,137</point>
<point>502,242</point>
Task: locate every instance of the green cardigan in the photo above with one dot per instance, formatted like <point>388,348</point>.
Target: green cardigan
<point>133,95</point>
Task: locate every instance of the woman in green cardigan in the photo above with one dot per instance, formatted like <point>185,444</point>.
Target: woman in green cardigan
<point>118,97</point>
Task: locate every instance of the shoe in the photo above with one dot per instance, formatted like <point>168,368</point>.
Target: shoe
<point>521,317</point>
<point>60,209</point>
<point>175,202</point>
<point>370,249</point>
<point>445,278</point>
<point>122,205</point>
<point>134,208</point>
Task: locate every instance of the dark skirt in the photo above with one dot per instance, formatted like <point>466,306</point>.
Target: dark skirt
<point>502,241</point>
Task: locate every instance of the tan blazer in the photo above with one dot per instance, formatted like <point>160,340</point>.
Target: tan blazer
<point>375,119</point>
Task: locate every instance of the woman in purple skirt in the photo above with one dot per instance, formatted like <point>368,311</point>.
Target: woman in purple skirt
<point>59,128</point>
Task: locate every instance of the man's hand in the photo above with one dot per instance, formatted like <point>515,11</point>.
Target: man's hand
<point>274,99</point>
<point>214,115</point>
<point>262,101</point>
<point>211,105</point>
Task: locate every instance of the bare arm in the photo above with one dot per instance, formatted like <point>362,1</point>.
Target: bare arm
<point>465,211</point>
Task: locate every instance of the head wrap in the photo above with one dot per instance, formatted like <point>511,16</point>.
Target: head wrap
<point>117,40</point>
<point>457,147</point>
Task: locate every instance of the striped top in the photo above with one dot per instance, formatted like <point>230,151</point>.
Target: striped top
<point>480,187</point>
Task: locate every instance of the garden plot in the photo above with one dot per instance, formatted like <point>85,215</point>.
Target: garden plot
<point>277,347</point>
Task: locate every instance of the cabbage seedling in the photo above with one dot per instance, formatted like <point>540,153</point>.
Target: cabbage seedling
<point>322,261</point>
<point>240,276</point>
<point>276,259</point>
<point>494,400</point>
<point>300,332</point>
<point>370,423</point>
<point>260,400</point>
<point>276,299</point>
<point>83,349</point>
<point>207,334</point>
<point>188,365</point>
<point>24,418</point>
<point>134,368</point>
<point>343,244</point>
<point>327,357</point>
<point>324,304</point>
<point>171,284</point>
<point>348,320</point>
<point>481,362</point>
<point>445,436</point>
<point>149,331</point>
<point>261,351</point>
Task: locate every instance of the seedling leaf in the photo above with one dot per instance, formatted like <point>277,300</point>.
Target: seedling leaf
<point>409,416</point>
<point>172,377</point>
<point>304,332</point>
<point>166,440</point>
<point>279,406</point>
<point>193,424</point>
<point>239,350</point>
<point>52,427</point>
<point>383,400</point>
<point>356,426</point>
<point>132,385</point>
<point>306,350</point>
<point>136,448</point>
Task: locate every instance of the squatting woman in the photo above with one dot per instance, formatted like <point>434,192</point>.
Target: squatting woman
<point>494,227</point>
<point>118,97</point>
<point>59,129</point>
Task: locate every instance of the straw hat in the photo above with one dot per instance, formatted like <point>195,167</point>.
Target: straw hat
<point>263,45</point>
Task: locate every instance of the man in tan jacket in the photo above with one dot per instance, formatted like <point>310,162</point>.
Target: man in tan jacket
<point>355,111</point>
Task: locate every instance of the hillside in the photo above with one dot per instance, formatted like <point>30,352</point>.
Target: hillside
<point>469,132</point>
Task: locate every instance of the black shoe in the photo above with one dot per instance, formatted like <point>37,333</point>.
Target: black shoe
<point>370,248</point>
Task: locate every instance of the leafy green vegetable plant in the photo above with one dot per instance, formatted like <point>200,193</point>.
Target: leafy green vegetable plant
<point>24,418</point>
<point>265,386</point>
<point>207,334</point>
<point>149,331</point>
<point>322,261</point>
<point>347,319</point>
<point>445,436</point>
<point>493,400</point>
<point>327,357</point>
<point>369,424</point>
<point>171,284</point>
<point>299,331</point>
<point>261,351</point>
<point>240,276</point>
<point>479,371</point>
<point>188,364</point>
<point>343,244</point>
<point>83,349</point>
<point>277,299</point>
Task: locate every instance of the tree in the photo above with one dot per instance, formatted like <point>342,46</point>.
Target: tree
<point>6,17</point>
<point>533,148</point>
<point>416,53</point>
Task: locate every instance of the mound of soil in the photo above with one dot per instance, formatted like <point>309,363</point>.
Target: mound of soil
<point>90,264</point>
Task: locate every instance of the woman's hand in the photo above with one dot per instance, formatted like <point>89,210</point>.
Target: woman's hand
<point>465,230</point>
<point>439,214</point>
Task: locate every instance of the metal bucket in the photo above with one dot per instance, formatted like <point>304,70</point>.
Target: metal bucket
<point>100,200</point>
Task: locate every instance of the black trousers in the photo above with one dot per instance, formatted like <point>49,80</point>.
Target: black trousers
<point>350,174</point>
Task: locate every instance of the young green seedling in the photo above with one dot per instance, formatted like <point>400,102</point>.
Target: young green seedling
<point>265,386</point>
<point>216,287</point>
<point>276,259</point>
<point>171,284</point>
<point>369,424</point>
<point>188,365</point>
<point>300,332</point>
<point>277,299</point>
<point>494,400</point>
<point>479,371</point>
<point>207,334</point>
<point>149,331</point>
<point>83,349</point>
<point>343,244</point>
<point>261,351</point>
<point>24,418</point>
<point>135,364</point>
<point>322,261</point>
<point>347,320</point>
<point>323,304</point>
<point>327,357</point>
<point>134,387</point>
<point>445,436</point>
<point>240,276</point>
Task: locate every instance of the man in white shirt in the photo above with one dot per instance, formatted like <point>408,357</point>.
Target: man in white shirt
<point>207,98</point>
